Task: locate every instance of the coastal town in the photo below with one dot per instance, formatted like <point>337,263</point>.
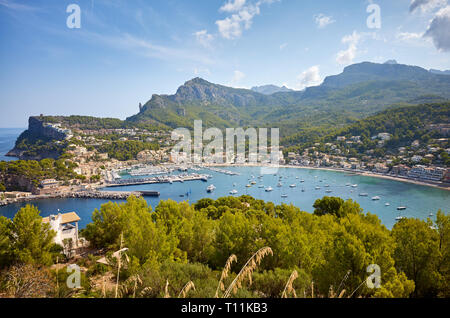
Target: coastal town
<point>413,163</point>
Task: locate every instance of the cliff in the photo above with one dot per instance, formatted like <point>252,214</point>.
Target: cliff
<point>37,142</point>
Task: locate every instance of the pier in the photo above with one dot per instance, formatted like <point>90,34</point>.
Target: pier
<point>161,179</point>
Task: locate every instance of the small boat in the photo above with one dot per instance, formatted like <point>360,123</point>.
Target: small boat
<point>269,189</point>
<point>302,181</point>
<point>284,195</point>
<point>401,208</point>
<point>387,204</point>
<point>431,214</point>
<point>317,188</point>
<point>363,194</point>
<point>398,218</point>
<point>261,186</point>
<point>296,177</point>
<point>347,184</point>
<point>293,186</point>
<point>234,184</point>
<point>248,186</point>
<point>181,195</point>
<point>328,191</point>
<point>303,190</point>
<point>376,198</point>
<point>253,182</point>
<point>354,186</point>
<point>210,188</point>
<point>233,192</point>
<point>279,184</point>
<point>327,186</point>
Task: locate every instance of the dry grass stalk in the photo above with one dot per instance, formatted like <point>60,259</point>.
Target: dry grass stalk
<point>289,289</point>
<point>225,272</point>
<point>190,285</point>
<point>247,270</point>
<point>166,290</point>
<point>145,291</point>
<point>341,295</point>
<point>312,289</point>
<point>118,267</point>
<point>130,284</point>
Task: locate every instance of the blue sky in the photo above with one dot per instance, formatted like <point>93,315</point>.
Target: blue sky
<point>127,50</point>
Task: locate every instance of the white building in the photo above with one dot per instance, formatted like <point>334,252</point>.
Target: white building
<point>65,225</point>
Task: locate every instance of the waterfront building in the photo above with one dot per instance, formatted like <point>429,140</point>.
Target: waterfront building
<point>66,227</point>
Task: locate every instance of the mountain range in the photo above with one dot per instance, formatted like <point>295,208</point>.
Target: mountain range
<point>270,89</point>
<point>360,90</point>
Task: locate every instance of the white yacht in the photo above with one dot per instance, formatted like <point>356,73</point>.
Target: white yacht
<point>269,189</point>
<point>293,186</point>
<point>354,186</point>
<point>376,198</point>
<point>387,204</point>
<point>233,192</point>
<point>210,188</point>
<point>284,195</point>
<point>363,194</point>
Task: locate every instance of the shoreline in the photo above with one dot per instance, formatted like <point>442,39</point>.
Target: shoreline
<point>96,192</point>
<point>441,186</point>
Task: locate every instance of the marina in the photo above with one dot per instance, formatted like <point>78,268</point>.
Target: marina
<point>420,200</point>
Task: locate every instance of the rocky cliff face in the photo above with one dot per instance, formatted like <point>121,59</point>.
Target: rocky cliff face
<point>37,128</point>
<point>40,137</point>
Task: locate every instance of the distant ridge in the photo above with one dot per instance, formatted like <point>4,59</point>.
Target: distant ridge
<point>360,90</point>
<point>270,89</point>
<point>440,72</point>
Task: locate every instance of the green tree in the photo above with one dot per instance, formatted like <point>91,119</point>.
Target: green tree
<point>31,239</point>
<point>417,254</point>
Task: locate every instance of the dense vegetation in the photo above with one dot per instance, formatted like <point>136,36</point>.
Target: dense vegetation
<point>95,123</point>
<point>178,243</point>
<point>26,174</point>
<point>126,150</point>
<point>33,146</point>
<point>405,124</point>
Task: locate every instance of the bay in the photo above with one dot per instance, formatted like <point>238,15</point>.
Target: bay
<point>419,200</point>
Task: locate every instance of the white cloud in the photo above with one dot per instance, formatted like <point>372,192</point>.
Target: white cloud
<point>439,29</point>
<point>283,46</point>
<point>201,71</point>
<point>232,6</point>
<point>426,5</point>
<point>346,57</point>
<point>204,38</point>
<point>310,77</point>
<point>237,77</point>
<point>406,36</point>
<point>242,18</point>
<point>16,6</point>
<point>322,20</point>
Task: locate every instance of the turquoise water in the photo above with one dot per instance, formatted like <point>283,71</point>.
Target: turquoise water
<point>419,200</point>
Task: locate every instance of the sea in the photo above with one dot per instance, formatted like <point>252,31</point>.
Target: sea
<point>8,138</point>
<point>300,187</point>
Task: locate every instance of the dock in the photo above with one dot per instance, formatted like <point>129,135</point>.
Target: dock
<point>161,179</point>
